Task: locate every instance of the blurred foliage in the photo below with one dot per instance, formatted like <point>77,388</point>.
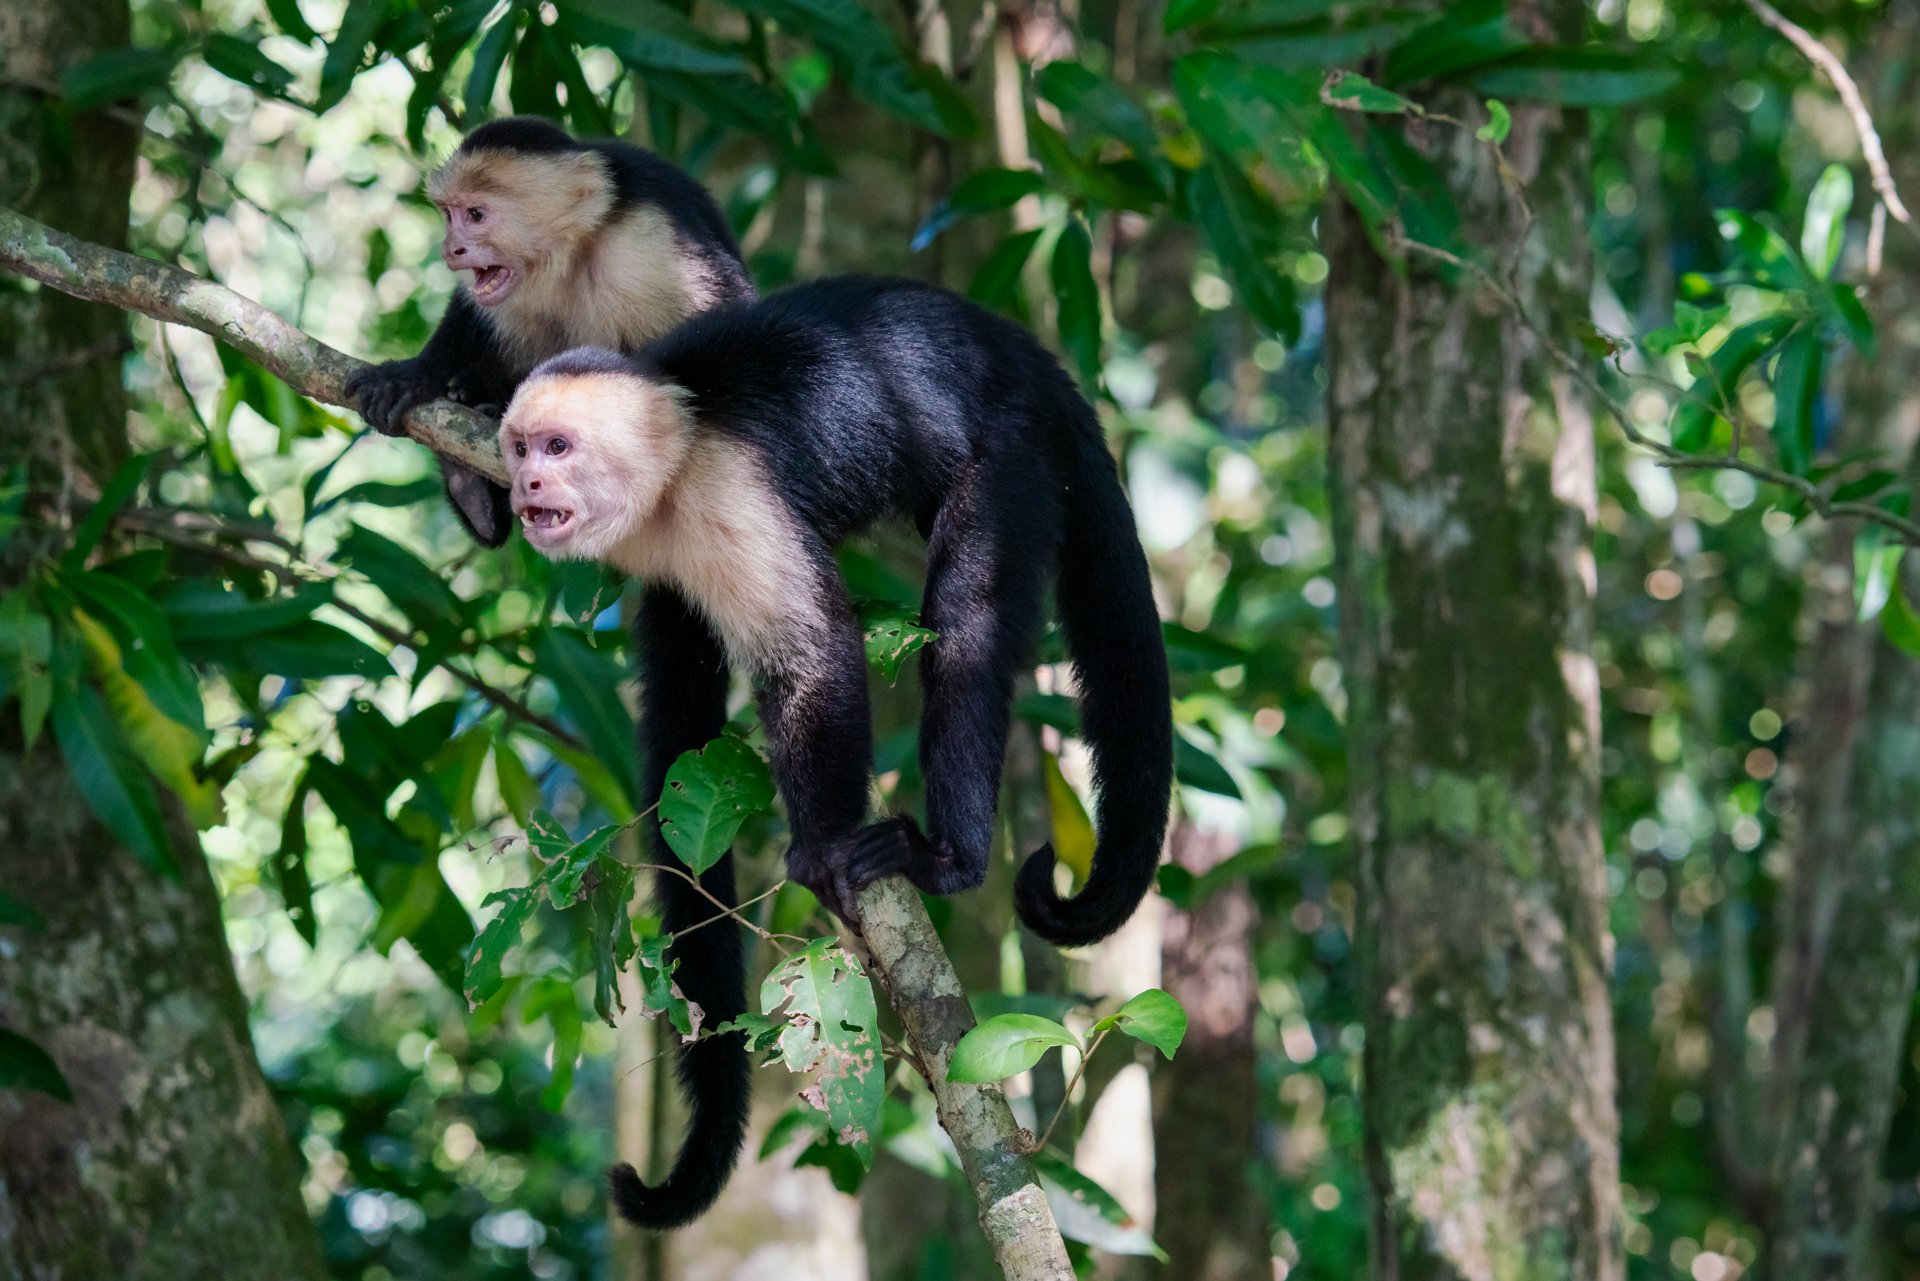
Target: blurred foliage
<point>362,714</point>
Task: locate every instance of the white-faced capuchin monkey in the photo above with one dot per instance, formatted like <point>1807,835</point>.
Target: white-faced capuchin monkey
<point>728,458</point>
<point>568,243</point>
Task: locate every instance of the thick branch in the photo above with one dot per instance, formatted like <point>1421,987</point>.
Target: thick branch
<point>179,297</point>
<point>906,951</point>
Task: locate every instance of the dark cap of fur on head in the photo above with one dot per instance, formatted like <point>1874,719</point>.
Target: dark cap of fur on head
<point>584,361</point>
<point>520,133</point>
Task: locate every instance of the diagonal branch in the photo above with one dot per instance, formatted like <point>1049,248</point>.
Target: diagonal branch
<point>906,951</point>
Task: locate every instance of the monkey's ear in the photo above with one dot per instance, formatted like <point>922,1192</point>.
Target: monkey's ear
<point>486,508</point>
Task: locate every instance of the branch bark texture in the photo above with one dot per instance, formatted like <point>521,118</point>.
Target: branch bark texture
<point>907,953</point>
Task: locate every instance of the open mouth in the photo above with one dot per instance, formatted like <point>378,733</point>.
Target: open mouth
<point>545,519</point>
<point>491,284</point>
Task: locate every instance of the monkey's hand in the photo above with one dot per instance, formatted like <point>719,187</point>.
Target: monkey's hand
<point>892,847</point>
<point>385,393</point>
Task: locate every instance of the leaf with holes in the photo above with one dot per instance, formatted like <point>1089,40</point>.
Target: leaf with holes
<point>1004,1046</point>
<point>495,939</point>
<point>658,992</point>
<point>892,633</point>
<point>709,793</point>
<point>1154,1017</point>
<point>833,1027</point>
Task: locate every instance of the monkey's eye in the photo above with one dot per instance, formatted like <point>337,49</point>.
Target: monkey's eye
<point>557,445</point>
<point>519,449</point>
<point>476,214</point>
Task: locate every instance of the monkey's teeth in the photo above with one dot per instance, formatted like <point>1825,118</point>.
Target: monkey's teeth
<point>545,517</point>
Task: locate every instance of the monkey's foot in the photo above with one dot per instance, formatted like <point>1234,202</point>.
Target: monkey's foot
<point>891,847</point>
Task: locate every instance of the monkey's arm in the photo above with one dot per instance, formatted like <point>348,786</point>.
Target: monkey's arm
<point>461,348</point>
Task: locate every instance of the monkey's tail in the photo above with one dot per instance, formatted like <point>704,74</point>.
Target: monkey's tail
<point>713,1070</point>
<point>1126,714</point>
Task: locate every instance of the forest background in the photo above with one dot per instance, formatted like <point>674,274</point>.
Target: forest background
<point>1517,401</point>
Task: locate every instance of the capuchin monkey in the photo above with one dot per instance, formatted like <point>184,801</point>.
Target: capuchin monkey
<point>569,243</point>
<point>726,460</point>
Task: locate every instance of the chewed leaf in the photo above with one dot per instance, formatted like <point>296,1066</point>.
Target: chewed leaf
<point>659,993</point>
<point>1153,1017</point>
<point>833,1028</point>
<point>709,793</point>
<point>1005,1045</point>
<point>494,941</point>
<point>892,632</point>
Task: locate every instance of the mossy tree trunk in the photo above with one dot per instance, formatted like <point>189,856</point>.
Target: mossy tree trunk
<point>1464,497</point>
<point>172,1160</point>
<point>1843,979</point>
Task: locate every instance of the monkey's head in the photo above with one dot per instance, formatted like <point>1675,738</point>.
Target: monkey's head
<point>591,445</point>
<point>520,197</point>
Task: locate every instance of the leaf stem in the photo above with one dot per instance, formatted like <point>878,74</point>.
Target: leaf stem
<point>1066,1096</point>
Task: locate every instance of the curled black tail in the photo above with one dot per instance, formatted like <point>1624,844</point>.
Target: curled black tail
<point>713,1071</point>
<point>684,706</point>
<point>1126,705</point>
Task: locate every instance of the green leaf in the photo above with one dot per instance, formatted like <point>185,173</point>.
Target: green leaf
<point>348,51</point>
<point>874,64</point>
<point>287,16</point>
<point>1097,110</point>
<point>200,609</point>
<point>113,496</point>
<point>1467,34</point>
<point>1354,92</point>
<point>377,840</point>
<point>1072,830</point>
<point>1499,123</point>
<point>26,658</point>
<point>1086,1212</point>
<point>534,86</point>
<point>708,794</point>
<point>517,788</point>
<point>1242,226</point>
<point>495,939</point>
<point>146,642</point>
<point>488,58</point>
<point>993,285</point>
<point>1716,384</point>
<point>833,1027</point>
<point>1578,78</point>
<point>384,493</point>
<point>1184,13</point>
<point>1191,651</point>
<point>984,191</point>
<point>290,865</point>
<point>1315,45</point>
<point>15,912</point>
<point>1079,296</point>
<point>243,60</point>
<point>115,76</point>
<point>1844,301</point>
<point>1193,767</point>
<point>25,1066</point>
<point>171,751</point>
<point>553,998</point>
<point>1005,1046</point>
<point>588,682</point>
<point>306,650</point>
<point>1899,621</point>
<point>1154,1017</point>
<point>417,590</point>
<point>111,782</point>
<point>1825,230</point>
<point>1796,392</point>
<point>892,632</point>
<point>647,36</point>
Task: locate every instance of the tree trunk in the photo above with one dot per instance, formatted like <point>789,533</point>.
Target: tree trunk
<point>1209,1214</point>
<point>1843,981</point>
<point>1464,497</point>
<point>172,1160</point>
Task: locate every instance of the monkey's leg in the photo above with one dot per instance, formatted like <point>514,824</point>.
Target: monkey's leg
<point>988,554</point>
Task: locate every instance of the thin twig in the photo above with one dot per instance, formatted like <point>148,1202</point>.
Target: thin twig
<point>1066,1098</point>
<point>1822,57</point>
<point>762,931</point>
<point>733,912</point>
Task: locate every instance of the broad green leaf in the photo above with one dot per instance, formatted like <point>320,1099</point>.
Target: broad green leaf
<point>993,285</point>
<point>488,59</point>
<point>892,633</point>
<point>117,492</point>
<point>384,493</point>
<point>25,1066</point>
<point>348,51</point>
<point>1314,45</point>
<point>658,992</point>
<point>1354,92</point>
<point>1825,230</point>
<point>1900,623</point>
<point>1578,78</point>
<point>552,998</point>
<point>1844,301</point>
<point>243,60</point>
<point>610,932</point>
<point>1499,123</point>
<point>1073,838</point>
<point>1191,651</point>
<point>1242,226</point>
<point>709,793</point>
<point>1005,1046</point>
<point>1154,1017</point>
<point>1086,1212</point>
<point>1760,247</point>
<point>833,1027</point>
<point>1096,108</point>
<point>1194,767</point>
<point>417,590</point>
<point>26,656</point>
<point>203,609</point>
<point>306,650</point>
<point>374,748</point>
<point>1079,298</point>
<point>107,777</point>
<point>647,36</point>
<point>287,16</point>
<point>517,788</point>
<point>290,865</point>
<point>1796,392</point>
<point>588,681</point>
<point>1467,34</point>
<point>1181,14</point>
<point>376,838</point>
<point>170,750</point>
<point>1716,386</point>
<point>114,76</point>
<point>534,86</point>
<point>874,64</point>
<point>984,191</point>
<point>495,939</point>
<point>146,643</point>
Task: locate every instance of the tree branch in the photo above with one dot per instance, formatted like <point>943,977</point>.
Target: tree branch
<point>906,951</point>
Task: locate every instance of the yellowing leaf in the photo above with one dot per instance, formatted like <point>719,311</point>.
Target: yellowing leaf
<point>166,747</point>
<point>1073,838</point>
